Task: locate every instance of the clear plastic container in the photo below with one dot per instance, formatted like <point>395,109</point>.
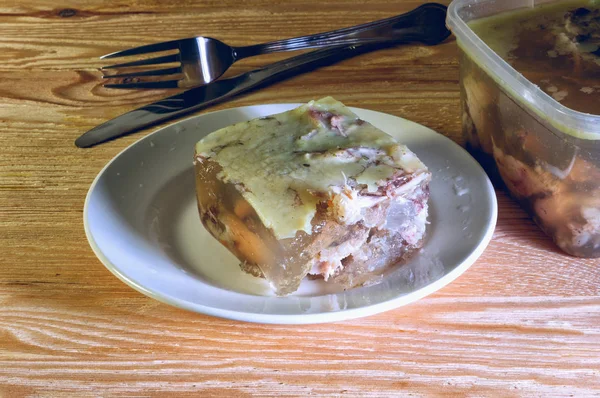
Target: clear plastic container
<point>547,155</point>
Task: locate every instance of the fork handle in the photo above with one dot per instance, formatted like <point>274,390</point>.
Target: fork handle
<point>425,24</point>
<point>304,62</point>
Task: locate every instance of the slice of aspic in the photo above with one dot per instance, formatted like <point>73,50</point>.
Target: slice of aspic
<point>315,190</point>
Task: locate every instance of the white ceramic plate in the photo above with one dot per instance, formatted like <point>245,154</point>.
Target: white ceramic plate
<point>142,222</point>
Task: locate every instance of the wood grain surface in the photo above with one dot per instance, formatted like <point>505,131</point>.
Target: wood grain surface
<point>523,321</point>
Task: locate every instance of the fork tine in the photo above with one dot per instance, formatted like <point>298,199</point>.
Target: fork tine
<point>154,72</point>
<point>145,85</point>
<point>151,61</point>
<point>148,48</point>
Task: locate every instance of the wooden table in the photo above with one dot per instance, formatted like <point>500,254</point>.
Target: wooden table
<point>523,321</point>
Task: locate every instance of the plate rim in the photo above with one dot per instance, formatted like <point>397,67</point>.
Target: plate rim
<point>295,319</point>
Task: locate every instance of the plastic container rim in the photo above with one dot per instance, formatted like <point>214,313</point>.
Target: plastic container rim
<point>578,124</point>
